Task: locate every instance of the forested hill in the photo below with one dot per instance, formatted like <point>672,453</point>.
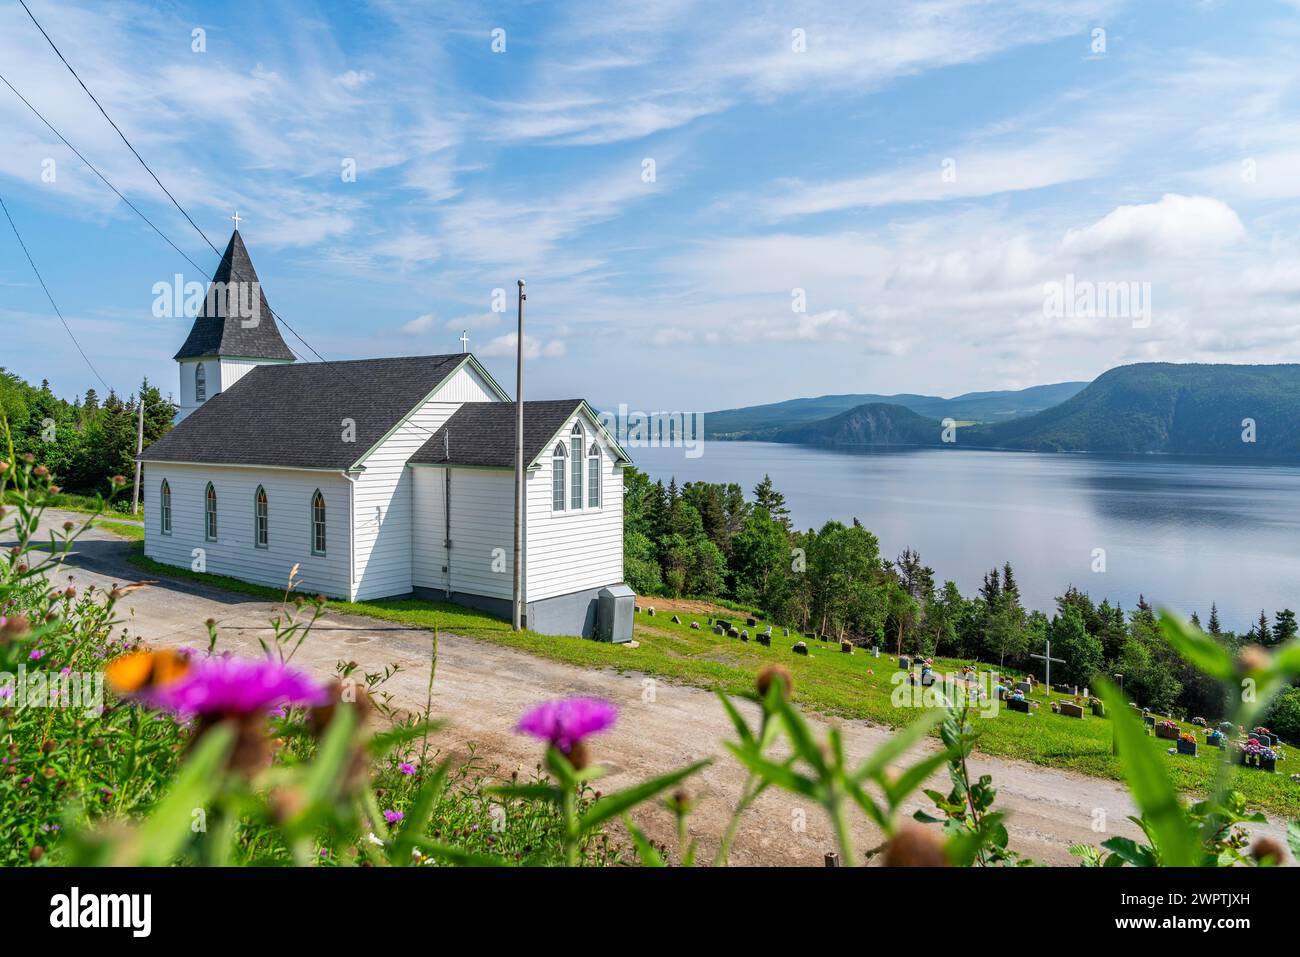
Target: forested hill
<point>872,424</point>
<point>1161,407</point>
<point>762,421</point>
<point>1237,411</point>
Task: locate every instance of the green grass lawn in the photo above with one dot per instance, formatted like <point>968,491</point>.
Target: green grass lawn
<point>88,504</point>
<point>828,682</point>
<point>125,529</point>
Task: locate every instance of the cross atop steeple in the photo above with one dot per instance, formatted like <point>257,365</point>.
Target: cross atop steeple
<point>236,218</point>
<point>464,341</point>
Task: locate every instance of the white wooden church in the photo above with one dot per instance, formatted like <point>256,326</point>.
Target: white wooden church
<point>380,477</point>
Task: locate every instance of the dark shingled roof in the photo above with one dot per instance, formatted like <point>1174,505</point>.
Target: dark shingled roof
<point>219,329</point>
<point>292,415</point>
<point>483,433</point>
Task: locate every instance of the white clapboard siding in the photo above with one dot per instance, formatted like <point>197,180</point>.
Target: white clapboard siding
<point>572,551</point>
<point>383,510</point>
<point>288,493</point>
<point>232,370</point>
<point>482,531</point>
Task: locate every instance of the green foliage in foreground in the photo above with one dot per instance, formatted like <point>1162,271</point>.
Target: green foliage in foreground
<point>124,785</point>
<point>827,682</point>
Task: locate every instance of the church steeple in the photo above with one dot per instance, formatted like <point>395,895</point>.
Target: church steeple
<point>233,332</point>
<point>235,319</point>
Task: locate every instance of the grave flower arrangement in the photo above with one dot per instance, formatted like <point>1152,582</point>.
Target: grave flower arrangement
<point>1168,730</point>
<point>1254,754</point>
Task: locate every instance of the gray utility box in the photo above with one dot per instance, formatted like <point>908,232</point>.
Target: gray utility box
<point>616,605</point>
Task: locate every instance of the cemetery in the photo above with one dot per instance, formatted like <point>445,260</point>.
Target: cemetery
<point>1039,720</point>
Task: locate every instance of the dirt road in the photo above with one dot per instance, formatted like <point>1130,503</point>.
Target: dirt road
<point>482,689</point>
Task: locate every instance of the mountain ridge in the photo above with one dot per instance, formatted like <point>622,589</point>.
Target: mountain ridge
<point>761,421</point>
<point>1222,410</point>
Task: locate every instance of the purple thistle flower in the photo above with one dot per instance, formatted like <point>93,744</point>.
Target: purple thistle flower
<point>406,767</point>
<point>36,654</point>
<point>565,722</point>
<point>392,817</point>
<point>239,685</point>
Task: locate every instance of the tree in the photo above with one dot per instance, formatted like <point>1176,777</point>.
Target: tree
<point>766,496</point>
<point>641,564</point>
<point>844,575</point>
<point>1284,627</point>
<point>1081,651</point>
<point>1213,628</point>
<point>1284,715</point>
<point>900,607</point>
<point>760,555</point>
<point>944,619</point>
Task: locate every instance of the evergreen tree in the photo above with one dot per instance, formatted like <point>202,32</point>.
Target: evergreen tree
<point>1009,585</point>
<point>991,590</point>
<point>1214,628</point>
<point>766,496</point>
<point>1284,627</point>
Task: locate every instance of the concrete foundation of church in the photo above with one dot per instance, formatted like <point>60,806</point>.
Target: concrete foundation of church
<point>572,614</point>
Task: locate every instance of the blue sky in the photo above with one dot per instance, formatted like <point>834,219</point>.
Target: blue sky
<point>919,171</point>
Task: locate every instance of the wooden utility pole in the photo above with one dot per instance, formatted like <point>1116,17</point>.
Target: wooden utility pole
<point>139,447</point>
<point>518,603</point>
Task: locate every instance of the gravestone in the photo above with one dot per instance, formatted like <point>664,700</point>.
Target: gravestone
<point>744,634</point>
<point>752,623</point>
<point>1024,687</point>
<point>765,639</point>
<point>786,632</point>
<point>717,630</point>
<point>675,620</point>
<point>800,648</point>
<point>733,633</point>
<point>650,611</point>
<point>904,662</point>
<point>846,647</point>
<point>695,626</point>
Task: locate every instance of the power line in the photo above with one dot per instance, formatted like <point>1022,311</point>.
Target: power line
<point>105,180</point>
<point>57,311</point>
<point>189,219</point>
<point>114,125</point>
<point>173,199</point>
<point>234,272</point>
<point>150,171</point>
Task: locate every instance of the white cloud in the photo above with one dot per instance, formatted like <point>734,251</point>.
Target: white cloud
<point>534,348</point>
<point>968,172</point>
<point>353,80</point>
<point>419,325</point>
<point>1174,225</point>
<point>669,336</point>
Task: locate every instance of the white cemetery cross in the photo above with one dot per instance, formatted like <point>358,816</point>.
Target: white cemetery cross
<point>1048,659</point>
